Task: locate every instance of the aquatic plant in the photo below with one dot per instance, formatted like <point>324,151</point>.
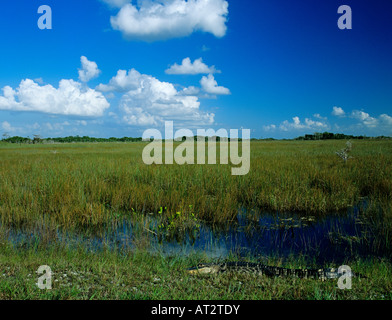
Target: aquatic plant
<point>178,224</point>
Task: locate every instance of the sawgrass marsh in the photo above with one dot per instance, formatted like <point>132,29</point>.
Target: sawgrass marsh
<point>89,188</point>
<point>88,185</point>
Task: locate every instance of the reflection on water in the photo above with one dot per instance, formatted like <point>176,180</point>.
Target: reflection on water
<point>332,238</point>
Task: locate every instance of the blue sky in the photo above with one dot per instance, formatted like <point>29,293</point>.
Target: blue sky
<point>281,68</point>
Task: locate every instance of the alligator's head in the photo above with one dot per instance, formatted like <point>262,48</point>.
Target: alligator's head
<point>205,268</point>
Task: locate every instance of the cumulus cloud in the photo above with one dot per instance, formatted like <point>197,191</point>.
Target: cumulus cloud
<point>210,85</point>
<point>358,121</point>
<point>39,80</point>
<point>365,118</point>
<point>296,124</point>
<point>360,115</point>
<point>57,126</point>
<point>166,19</point>
<point>70,98</point>
<point>187,67</point>
<point>383,122</point>
<point>6,126</point>
<point>318,116</point>
<point>190,91</point>
<point>116,3</point>
<point>270,127</point>
<point>147,101</point>
<point>386,119</point>
<point>89,70</point>
<point>81,122</point>
<point>123,81</point>
<point>337,111</point>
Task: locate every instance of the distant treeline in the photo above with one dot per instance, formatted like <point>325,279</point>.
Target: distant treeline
<point>71,139</point>
<point>336,136</point>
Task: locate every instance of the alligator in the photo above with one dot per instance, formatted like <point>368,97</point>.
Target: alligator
<point>270,271</point>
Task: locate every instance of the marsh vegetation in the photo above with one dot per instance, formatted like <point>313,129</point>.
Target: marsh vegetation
<point>51,196</point>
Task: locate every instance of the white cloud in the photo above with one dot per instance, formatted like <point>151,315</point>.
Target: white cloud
<point>68,126</point>
<point>386,119</point>
<point>166,19</point>
<point>318,116</point>
<point>210,85</point>
<point>89,70</point>
<point>315,124</point>
<point>57,126</point>
<point>296,124</point>
<point>270,127</point>
<point>147,101</point>
<point>365,118</point>
<point>70,98</point>
<point>116,3</point>
<point>35,126</point>
<point>364,124</point>
<point>81,122</point>
<point>123,81</point>
<point>39,80</point>
<point>339,112</point>
<point>307,125</point>
<point>190,91</point>
<point>187,67</point>
<point>6,126</point>
<point>383,122</point>
<point>12,130</point>
<point>360,115</point>
<point>113,115</point>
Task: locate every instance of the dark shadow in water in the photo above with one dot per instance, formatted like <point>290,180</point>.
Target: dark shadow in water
<point>330,239</point>
<point>333,238</point>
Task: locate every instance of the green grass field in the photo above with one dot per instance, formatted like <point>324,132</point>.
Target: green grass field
<point>90,186</point>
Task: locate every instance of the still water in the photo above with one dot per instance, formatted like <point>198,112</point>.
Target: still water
<point>331,238</point>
